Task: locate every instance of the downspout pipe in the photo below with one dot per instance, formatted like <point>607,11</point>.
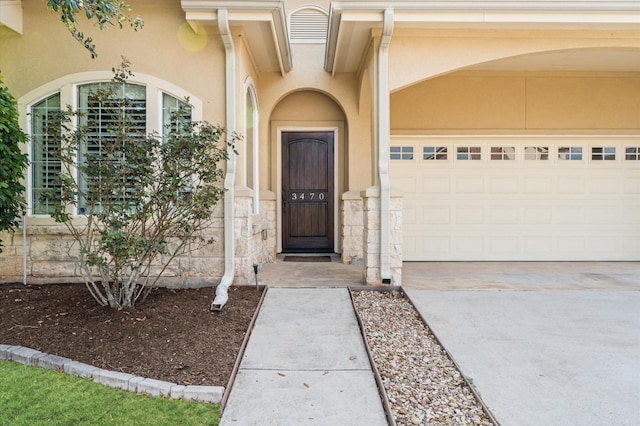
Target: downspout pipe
<point>384,131</point>
<point>229,181</point>
<point>24,249</point>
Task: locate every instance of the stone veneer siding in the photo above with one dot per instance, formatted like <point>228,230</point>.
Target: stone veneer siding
<point>52,254</point>
<point>352,223</point>
<point>371,237</point>
<point>255,234</point>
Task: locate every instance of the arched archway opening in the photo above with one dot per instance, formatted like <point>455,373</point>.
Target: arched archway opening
<point>522,158</point>
<point>308,139</point>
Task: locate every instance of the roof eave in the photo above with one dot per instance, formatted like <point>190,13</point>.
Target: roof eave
<point>246,11</point>
<point>11,15</point>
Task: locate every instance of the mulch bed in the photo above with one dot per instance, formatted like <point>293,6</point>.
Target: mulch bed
<point>171,336</point>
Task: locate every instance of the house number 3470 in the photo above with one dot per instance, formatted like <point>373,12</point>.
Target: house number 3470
<point>308,196</point>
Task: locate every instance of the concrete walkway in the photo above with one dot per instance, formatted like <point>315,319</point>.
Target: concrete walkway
<point>305,363</point>
<point>545,343</point>
<point>311,274</point>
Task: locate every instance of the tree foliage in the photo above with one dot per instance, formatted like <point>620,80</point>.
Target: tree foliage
<point>146,199</point>
<point>13,163</point>
<point>104,12</point>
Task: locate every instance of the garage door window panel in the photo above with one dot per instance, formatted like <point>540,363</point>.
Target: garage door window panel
<point>536,153</point>
<point>503,153</point>
<point>430,153</point>
<point>401,153</point>
<point>473,153</point>
<point>570,153</point>
<point>632,153</point>
<point>599,153</point>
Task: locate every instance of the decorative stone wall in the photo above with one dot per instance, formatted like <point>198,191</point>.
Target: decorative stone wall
<point>371,237</point>
<point>396,238</point>
<point>352,223</point>
<point>255,234</point>
<point>52,253</point>
<point>268,235</point>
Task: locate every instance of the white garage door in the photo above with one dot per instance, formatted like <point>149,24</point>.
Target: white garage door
<point>518,198</point>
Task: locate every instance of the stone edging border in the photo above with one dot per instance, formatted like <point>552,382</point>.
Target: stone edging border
<point>114,379</point>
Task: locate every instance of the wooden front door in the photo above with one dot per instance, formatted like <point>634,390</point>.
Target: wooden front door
<point>307,192</point>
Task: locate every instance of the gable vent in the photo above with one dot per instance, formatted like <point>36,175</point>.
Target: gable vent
<point>308,26</point>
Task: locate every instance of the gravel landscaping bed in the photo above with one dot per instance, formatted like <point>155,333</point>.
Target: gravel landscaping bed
<point>423,385</point>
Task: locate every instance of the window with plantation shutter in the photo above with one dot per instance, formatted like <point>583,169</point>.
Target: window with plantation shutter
<point>101,117</point>
<point>308,25</point>
<point>170,106</point>
<point>44,165</point>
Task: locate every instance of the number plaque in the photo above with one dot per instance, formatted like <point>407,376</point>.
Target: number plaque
<point>306,196</point>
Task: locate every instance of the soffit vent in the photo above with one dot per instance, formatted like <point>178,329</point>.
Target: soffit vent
<point>308,25</point>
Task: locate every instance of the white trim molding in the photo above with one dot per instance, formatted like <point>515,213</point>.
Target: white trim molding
<point>11,15</point>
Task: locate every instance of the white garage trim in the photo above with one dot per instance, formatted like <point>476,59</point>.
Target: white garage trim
<point>519,197</point>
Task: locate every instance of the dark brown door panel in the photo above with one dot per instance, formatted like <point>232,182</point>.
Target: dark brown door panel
<point>307,191</point>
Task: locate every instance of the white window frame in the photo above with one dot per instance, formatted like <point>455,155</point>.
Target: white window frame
<point>250,90</point>
<point>68,85</point>
<point>605,152</point>
<point>469,153</point>
<point>31,151</point>
<point>536,155</point>
<point>505,152</point>
<point>441,153</point>
<point>635,155</point>
<point>404,149</point>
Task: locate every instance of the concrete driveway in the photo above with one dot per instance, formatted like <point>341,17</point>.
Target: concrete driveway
<point>543,343</point>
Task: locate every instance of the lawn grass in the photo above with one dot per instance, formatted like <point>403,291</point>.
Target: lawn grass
<point>35,396</point>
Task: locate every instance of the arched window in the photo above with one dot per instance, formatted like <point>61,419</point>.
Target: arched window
<point>171,106</point>
<point>251,140</point>
<point>44,166</point>
<point>147,108</point>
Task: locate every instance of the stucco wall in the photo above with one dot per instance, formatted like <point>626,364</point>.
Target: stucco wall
<point>165,48</point>
<point>417,55</point>
<point>561,103</point>
<point>308,74</point>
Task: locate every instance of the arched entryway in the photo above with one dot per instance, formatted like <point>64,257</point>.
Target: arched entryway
<point>308,141</point>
